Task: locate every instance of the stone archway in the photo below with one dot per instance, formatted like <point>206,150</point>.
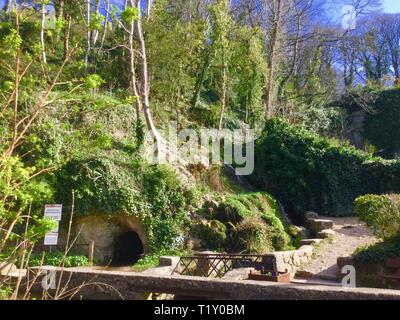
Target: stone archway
<point>113,236</point>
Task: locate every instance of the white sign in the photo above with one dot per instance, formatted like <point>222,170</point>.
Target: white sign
<point>51,239</point>
<point>53,211</point>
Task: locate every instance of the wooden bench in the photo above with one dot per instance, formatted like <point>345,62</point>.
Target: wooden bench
<point>392,272</point>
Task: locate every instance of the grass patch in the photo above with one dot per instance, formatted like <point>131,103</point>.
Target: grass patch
<point>56,259</point>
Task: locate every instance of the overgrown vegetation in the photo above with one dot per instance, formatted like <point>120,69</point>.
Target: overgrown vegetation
<point>381,213</point>
<point>152,193</point>
<point>58,259</point>
<point>310,172</point>
<point>78,93</point>
<point>249,223</point>
<point>378,252</point>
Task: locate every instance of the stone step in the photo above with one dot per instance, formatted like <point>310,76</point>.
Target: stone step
<point>311,242</point>
<point>317,225</point>
<point>327,233</point>
<point>311,215</point>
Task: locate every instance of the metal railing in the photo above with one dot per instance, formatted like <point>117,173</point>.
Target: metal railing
<point>218,265</point>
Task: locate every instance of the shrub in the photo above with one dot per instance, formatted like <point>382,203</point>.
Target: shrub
<point>378,252</point>
<point>252,223</point>
<point>213,234</point>
<point>251,236</point>
<point>381,213</point>
<point>56,259</point>
<point>309,172</point>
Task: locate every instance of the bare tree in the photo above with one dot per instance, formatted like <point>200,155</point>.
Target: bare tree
<point>389,29</point>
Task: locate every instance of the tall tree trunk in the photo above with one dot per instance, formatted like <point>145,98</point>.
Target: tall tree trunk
<point>224,91</point>
<point>95,33</point>
<point>200,78</point>
<point>103,37</point>
<point>9,6</point>
<point>144,81</point>
<point>274,39</point>
<point>88,40</point>
<point>132,71</point>
<point>149,6</point>
<point>42,34</point>
<point>67,32</point>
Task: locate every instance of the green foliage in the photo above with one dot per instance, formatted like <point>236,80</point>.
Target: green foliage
<point>145,263</point>
<point>93,81</point>
<point>96,21</point>
<point>153,260</point>
<point>379,252</point>
<point>246,222</point>
<point>57,259</point>
<point>129,15</point>
<point>381,213</point>
<point>152,193</point>
<point>213,234</point>
<point>382,127</point>
<point>309,172</point>
<point>5,293</point>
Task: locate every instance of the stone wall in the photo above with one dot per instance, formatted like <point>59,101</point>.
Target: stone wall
<point>291,261</point>
<point>129,285</point>
<point>367,274</point>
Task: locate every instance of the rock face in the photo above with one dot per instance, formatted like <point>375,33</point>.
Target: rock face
<point>104,230</point>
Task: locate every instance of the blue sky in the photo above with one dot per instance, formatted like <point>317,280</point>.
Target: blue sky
<point>392,6</point>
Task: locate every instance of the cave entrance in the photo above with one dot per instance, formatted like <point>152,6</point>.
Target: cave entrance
<point>128,249</point>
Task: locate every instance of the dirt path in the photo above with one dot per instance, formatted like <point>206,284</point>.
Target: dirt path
<point>350,234</point>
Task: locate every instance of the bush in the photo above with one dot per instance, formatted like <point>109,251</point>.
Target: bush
<point>311,173</point>
<point>56,259</point>
<point>381,213</point>
<point>213,234</point>
<point>252,223</point>
<point>252,236</point>
<point>378,252</point>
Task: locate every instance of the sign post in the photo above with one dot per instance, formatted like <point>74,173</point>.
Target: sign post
<point>54,212</point>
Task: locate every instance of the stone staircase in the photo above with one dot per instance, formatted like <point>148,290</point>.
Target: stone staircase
<point>320,228</point>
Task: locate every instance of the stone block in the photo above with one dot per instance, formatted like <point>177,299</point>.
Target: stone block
<point>311,215</point>
<point>324,234</point>
<point>317,225</point>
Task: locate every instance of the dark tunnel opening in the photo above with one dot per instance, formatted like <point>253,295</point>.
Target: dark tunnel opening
<point>128,249</point>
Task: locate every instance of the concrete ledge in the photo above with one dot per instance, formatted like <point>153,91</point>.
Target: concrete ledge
<point>132,286</point>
